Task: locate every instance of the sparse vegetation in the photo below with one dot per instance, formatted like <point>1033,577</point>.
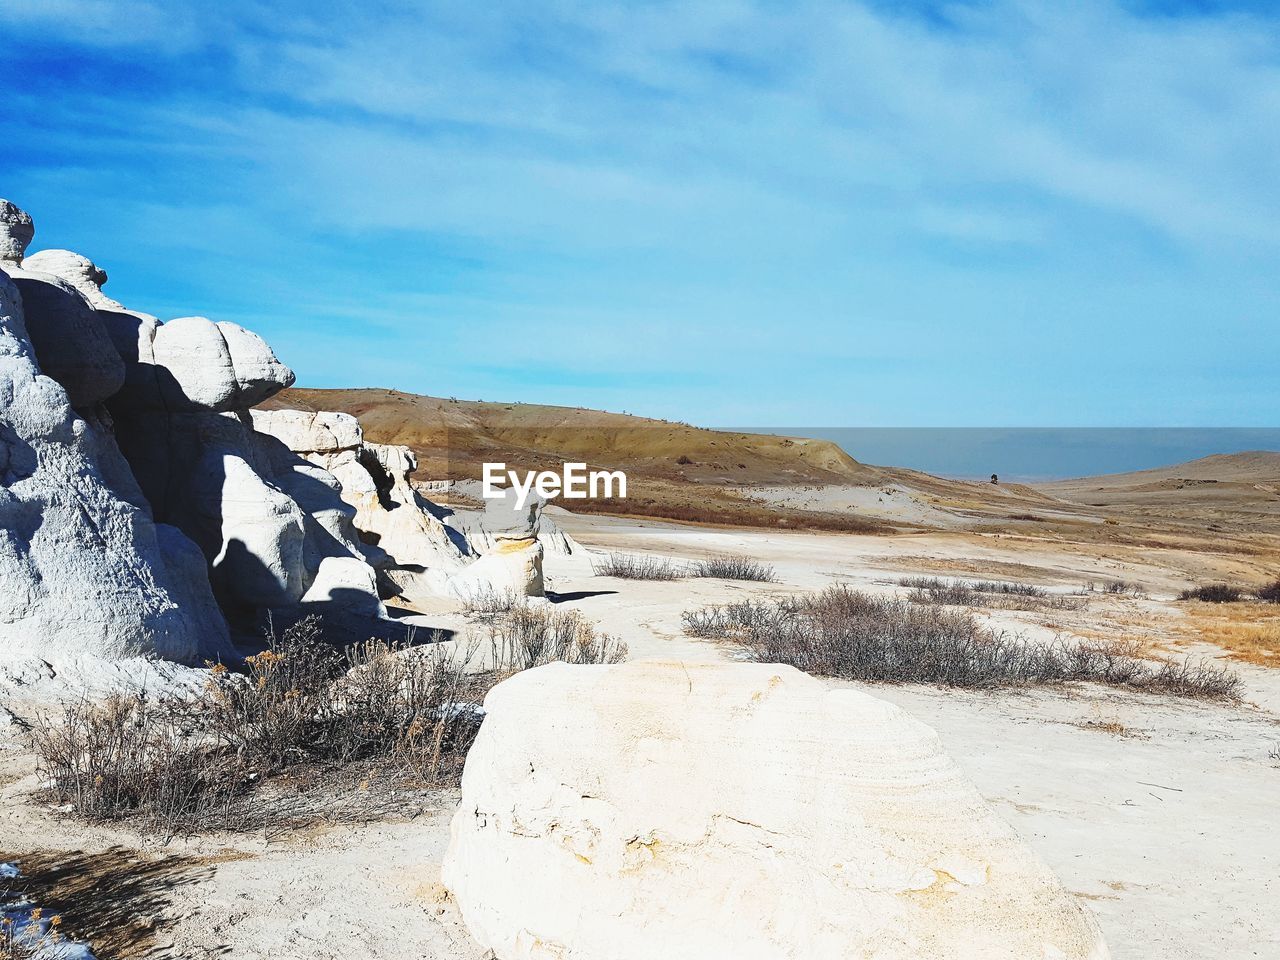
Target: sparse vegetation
<point>404,713</point>
<point>532,636</point>
<point>1117,588</point>
<point>729,567</point>
<point>634,567</point>
<point>1213,593</point>
<point>1270,593</point>
<point>844,633</point>
<point>714,508</point>
<point>490,602</point>
<point>999,594</point>
<point>724,567</point>
<point>29,932</point>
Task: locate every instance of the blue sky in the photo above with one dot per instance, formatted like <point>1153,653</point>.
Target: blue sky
<point>769,213</point>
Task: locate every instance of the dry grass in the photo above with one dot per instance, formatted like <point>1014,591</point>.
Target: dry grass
<point>1113,727</point>
<point>843,633</point>
<point>394,714</point>
<point>1249,632</point>
<point>710,507</point>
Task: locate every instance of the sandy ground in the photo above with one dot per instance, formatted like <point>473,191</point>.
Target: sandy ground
<point>1159,813</point>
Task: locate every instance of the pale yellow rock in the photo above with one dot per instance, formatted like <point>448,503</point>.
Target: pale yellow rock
<point>704,811</point>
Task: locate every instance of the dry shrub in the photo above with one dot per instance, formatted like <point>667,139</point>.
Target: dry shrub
<point>1213,593</point>
<point>724,567</point>
<point>181,765</point>
<point>998,594</point>
<point>728,567</point>
<point>29,932</point>
<point>631,567</point>
<point>1119,588</point>
<point>1270,593</point>
<point>134,756</point>
<point>844,633</point>
<point>533,635</point>
<point>489,602</point>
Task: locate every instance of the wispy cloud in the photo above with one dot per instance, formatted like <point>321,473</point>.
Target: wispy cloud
<point>1024,211</point>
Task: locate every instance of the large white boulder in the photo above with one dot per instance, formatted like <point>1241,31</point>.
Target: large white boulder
<point>307,431</point>
<point>79,271</point>
<point>71,343</point>
<point>696,811</point>
<point>216,367</point>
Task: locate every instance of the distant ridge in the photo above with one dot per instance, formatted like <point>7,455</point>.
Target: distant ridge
<point>1247,466</point>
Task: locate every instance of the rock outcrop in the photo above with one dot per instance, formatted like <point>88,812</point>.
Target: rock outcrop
<point>135,488</point>
<point>390,516</point>
<point>84,569</point>
<point>512,562</point>
<point>692,811</point>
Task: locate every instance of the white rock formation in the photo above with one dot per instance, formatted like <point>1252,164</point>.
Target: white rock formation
<point>214,367</point>
<point>69,338</point>
<point>81,272</point>
<point>146,422</point>
<point>690,811</point>
<point>512,561</point>
<point>83,568</point>
<point>374,479</point>
<point>16,231</point>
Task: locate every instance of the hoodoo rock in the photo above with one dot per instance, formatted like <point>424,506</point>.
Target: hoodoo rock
<point>691,811</point>
<point>81,272</point>
<point>512,562</point>
<point>16,231</point>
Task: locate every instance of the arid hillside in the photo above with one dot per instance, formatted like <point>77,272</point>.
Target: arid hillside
<point>675,471</point>
<point>453,437</point>
<point>1219,488</point>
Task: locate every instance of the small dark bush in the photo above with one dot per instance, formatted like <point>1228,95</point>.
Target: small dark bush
<point>1213,593</point>
<point>1270,593</point>
<point>632,567</point>
<point>843,633</point>
<point>733,568</point>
